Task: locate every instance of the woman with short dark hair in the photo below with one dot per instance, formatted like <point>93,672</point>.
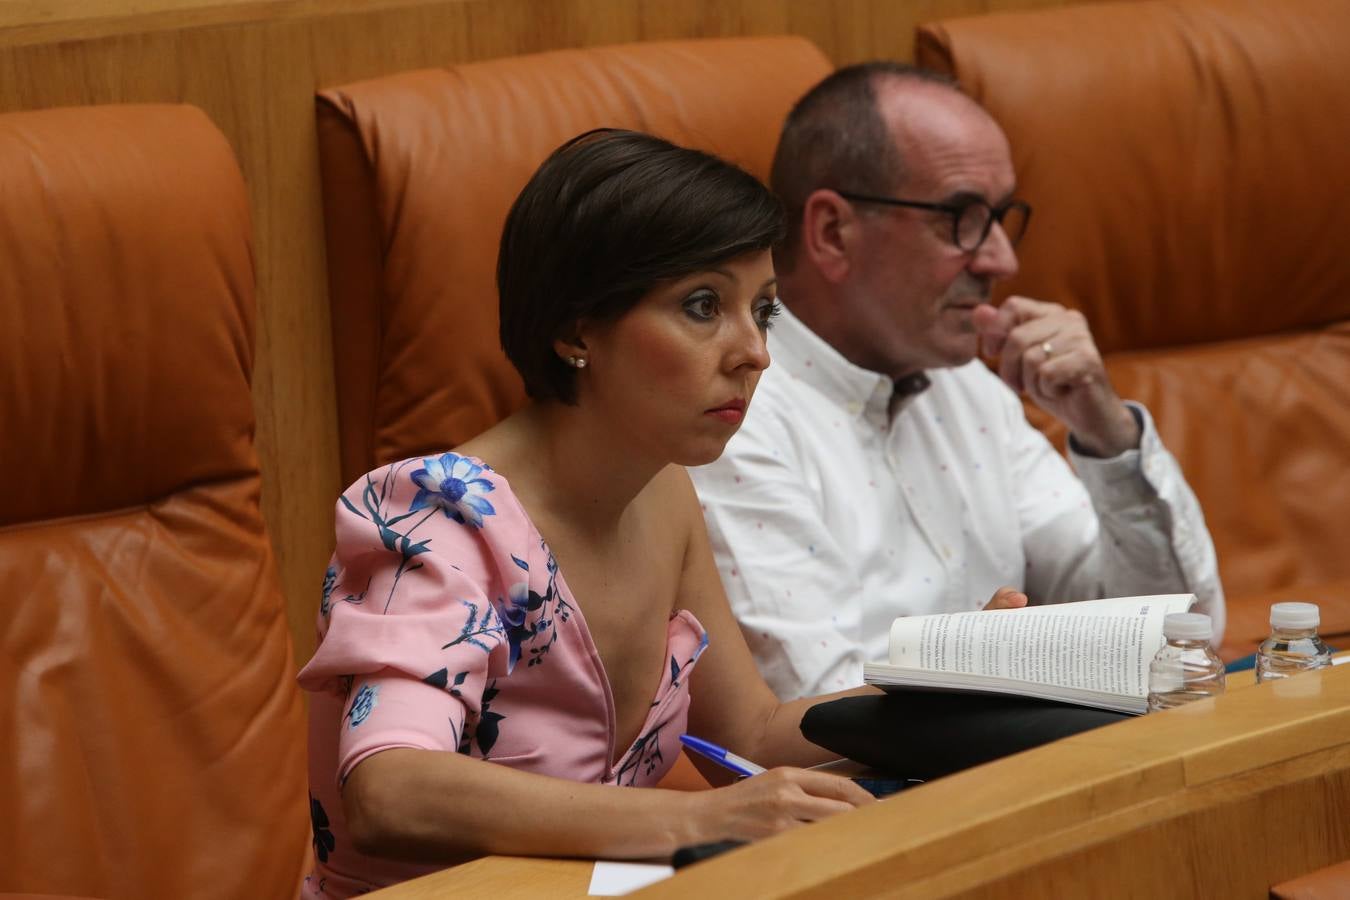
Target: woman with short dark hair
<point>542,596</point>
<point>609,215</point>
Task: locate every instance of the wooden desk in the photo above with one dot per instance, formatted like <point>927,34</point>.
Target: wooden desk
<point>1220,798</point>
<point>499,878</point>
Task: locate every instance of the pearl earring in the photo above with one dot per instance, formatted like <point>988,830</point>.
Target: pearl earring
<point>577,362</point>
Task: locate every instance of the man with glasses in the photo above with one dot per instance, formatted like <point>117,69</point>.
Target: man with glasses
<point>883,469</point>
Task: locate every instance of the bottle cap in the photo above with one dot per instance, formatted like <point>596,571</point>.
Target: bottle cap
<point>1294,615</point>
<point>1187,627</point>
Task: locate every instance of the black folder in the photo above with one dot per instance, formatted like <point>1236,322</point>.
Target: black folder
<point>927,734</point>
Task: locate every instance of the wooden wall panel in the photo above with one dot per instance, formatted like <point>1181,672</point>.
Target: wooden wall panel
<point>254,65</point>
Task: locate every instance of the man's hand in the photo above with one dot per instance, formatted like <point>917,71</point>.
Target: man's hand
<point>1007,598</point>
<point>1046,351</point>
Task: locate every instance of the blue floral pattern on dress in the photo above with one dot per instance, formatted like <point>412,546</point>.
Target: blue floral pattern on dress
<point>676,670</point>
<point>329,582</point>
<point>485,731</point>
<point>374,497</point>
<point>324,842</point>
<point>476,630</point>
<point>532,618</point>
<point>366,700</point>
<point>441,679</point>
<point>644,755</point>
<point>513,613</point>
<point>451,483</point>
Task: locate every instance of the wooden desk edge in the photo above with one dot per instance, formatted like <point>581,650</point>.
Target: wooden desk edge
<point>987,809</point>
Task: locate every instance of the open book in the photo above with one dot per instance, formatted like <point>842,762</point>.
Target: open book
<point>1093,653</point>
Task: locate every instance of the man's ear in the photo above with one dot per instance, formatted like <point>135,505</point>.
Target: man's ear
<point>829,230</point>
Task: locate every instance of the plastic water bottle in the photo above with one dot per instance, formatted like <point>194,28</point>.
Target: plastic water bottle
<point>1293,645</point>
<point>1185,668</point>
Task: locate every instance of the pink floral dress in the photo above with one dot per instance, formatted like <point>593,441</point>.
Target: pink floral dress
<point>445,625</point>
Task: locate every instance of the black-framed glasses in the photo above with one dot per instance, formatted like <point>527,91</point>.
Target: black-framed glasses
<point>972,219</point>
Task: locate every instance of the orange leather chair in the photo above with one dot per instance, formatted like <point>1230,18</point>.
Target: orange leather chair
<point>1187,162</point>
<point>152,731</point>
<point>419,170</point>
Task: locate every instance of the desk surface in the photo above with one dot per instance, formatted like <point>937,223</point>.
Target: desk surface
<point>500,878</point>
<point>1198,777</point>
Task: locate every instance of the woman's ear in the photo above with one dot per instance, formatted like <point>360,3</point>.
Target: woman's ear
<point>829,229</point>
<point>572,349</point>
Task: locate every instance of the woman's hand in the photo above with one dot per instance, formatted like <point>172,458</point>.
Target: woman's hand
<point>772,802</point>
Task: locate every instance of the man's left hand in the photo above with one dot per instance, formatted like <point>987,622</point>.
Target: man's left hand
<point>1046,351</point>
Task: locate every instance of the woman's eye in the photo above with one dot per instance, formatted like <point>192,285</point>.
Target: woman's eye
<point>766,312</point>
<point>701,306</point>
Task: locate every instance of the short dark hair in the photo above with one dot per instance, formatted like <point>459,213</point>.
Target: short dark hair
<point>610,215</point>
<point>835,137</point>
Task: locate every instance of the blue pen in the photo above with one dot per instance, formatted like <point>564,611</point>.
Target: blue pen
<point>723,757</point>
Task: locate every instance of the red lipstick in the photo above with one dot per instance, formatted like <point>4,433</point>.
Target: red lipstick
<point>730,412</point>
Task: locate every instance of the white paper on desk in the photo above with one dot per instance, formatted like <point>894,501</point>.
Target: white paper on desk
<point>614,879</point>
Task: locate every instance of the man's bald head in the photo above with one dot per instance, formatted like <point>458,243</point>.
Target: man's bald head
<point>839,136</point>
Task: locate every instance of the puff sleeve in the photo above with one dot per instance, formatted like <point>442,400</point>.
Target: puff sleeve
<point>416,609</point>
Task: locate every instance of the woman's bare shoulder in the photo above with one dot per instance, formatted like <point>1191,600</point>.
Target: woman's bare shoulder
<point>671,501</point>
<point>672,489</point>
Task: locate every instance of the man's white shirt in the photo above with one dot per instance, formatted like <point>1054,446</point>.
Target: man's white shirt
<point>833,511</point>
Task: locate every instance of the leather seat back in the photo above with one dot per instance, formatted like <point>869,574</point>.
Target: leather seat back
<point>155,743</point>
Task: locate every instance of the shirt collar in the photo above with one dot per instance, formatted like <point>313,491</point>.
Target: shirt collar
<point>805,355</point>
